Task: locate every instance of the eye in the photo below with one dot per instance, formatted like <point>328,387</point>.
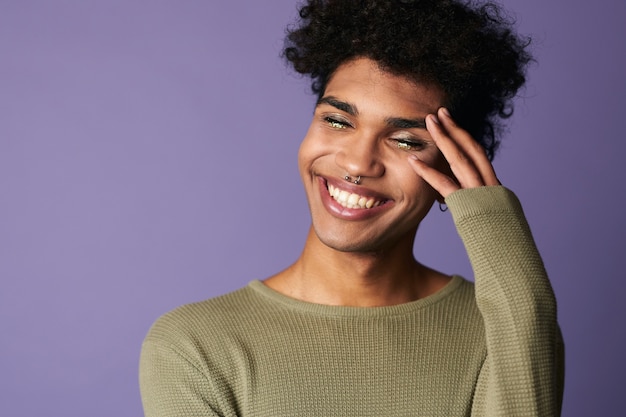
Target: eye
<point>336,123</point>
<point>409,145</point>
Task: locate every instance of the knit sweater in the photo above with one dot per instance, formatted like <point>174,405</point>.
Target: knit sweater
<point>489,349</point>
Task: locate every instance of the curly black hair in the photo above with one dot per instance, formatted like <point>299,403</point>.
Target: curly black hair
<point>467,49</point>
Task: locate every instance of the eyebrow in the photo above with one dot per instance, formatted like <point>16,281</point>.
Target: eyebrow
<point>401,123</point>
<point>351,109</point>
<point>340,105</point>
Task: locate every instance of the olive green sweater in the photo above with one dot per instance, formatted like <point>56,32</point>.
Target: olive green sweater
<point>493,349</point>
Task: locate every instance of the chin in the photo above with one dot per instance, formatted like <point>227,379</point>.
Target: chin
<point>362,244</point>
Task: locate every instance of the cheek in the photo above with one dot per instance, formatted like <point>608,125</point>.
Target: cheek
<point>305,155</point>
<point>313,147</point>
<point>440,163</point>
<point>418,189</point>
<point>414,187</point>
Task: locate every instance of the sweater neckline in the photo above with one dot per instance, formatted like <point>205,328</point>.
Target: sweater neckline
<point>328,310</point>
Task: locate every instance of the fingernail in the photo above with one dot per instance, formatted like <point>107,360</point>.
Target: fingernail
<point>434,119</point>
<point>414,157</point>
<point>445,112</point>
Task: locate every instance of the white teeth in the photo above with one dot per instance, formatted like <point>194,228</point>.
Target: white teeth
<point>353,201</point>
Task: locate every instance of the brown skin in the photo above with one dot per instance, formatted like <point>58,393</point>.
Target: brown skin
<point>364,257</point>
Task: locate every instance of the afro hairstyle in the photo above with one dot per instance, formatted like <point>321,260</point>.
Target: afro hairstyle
<point>467,49</point>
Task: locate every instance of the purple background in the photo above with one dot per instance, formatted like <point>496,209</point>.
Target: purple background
<point>148,159</point>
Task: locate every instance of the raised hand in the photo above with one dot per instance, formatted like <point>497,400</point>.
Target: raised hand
<point>469,165</point>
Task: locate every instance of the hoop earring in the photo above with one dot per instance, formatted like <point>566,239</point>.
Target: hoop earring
<point>442,207</point>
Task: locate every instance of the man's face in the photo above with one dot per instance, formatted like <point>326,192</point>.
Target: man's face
<point>366,124</point>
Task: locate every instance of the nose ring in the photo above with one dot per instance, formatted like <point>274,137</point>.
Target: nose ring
<point>357,180</point>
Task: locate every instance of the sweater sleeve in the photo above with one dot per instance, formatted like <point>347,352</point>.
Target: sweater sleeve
<point>522,373</point>
<point>171,385</point>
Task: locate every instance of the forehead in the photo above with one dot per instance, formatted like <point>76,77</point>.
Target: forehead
<point>363,82</point>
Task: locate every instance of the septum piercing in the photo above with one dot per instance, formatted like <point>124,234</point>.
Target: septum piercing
<point>349,178</point>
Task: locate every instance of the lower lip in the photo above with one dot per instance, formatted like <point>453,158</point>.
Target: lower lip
<point>337,210</point>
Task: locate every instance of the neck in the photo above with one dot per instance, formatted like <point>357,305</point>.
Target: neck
<point>324,275</point>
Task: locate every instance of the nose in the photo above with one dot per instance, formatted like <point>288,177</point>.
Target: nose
<point>360,157</point>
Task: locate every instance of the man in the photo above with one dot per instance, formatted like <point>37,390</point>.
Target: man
<point>356,326</point>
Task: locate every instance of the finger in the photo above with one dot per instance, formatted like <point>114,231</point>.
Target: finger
<point>470,147</point>
<point>461,165</point>
<point>442,183</point>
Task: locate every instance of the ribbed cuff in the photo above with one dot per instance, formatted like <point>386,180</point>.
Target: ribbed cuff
<point>471,202</point>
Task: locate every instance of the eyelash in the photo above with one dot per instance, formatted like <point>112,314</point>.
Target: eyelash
<point>409,145</point>
<point>336,123</point>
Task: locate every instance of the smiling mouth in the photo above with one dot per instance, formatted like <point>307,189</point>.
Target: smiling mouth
<point>352,200</point>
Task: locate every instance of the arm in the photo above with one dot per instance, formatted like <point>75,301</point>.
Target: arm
<point>524,348</point>
<point>520,374</point>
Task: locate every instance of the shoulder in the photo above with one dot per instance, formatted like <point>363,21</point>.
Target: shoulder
<point>190,359</point>
<point>212,319</point>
